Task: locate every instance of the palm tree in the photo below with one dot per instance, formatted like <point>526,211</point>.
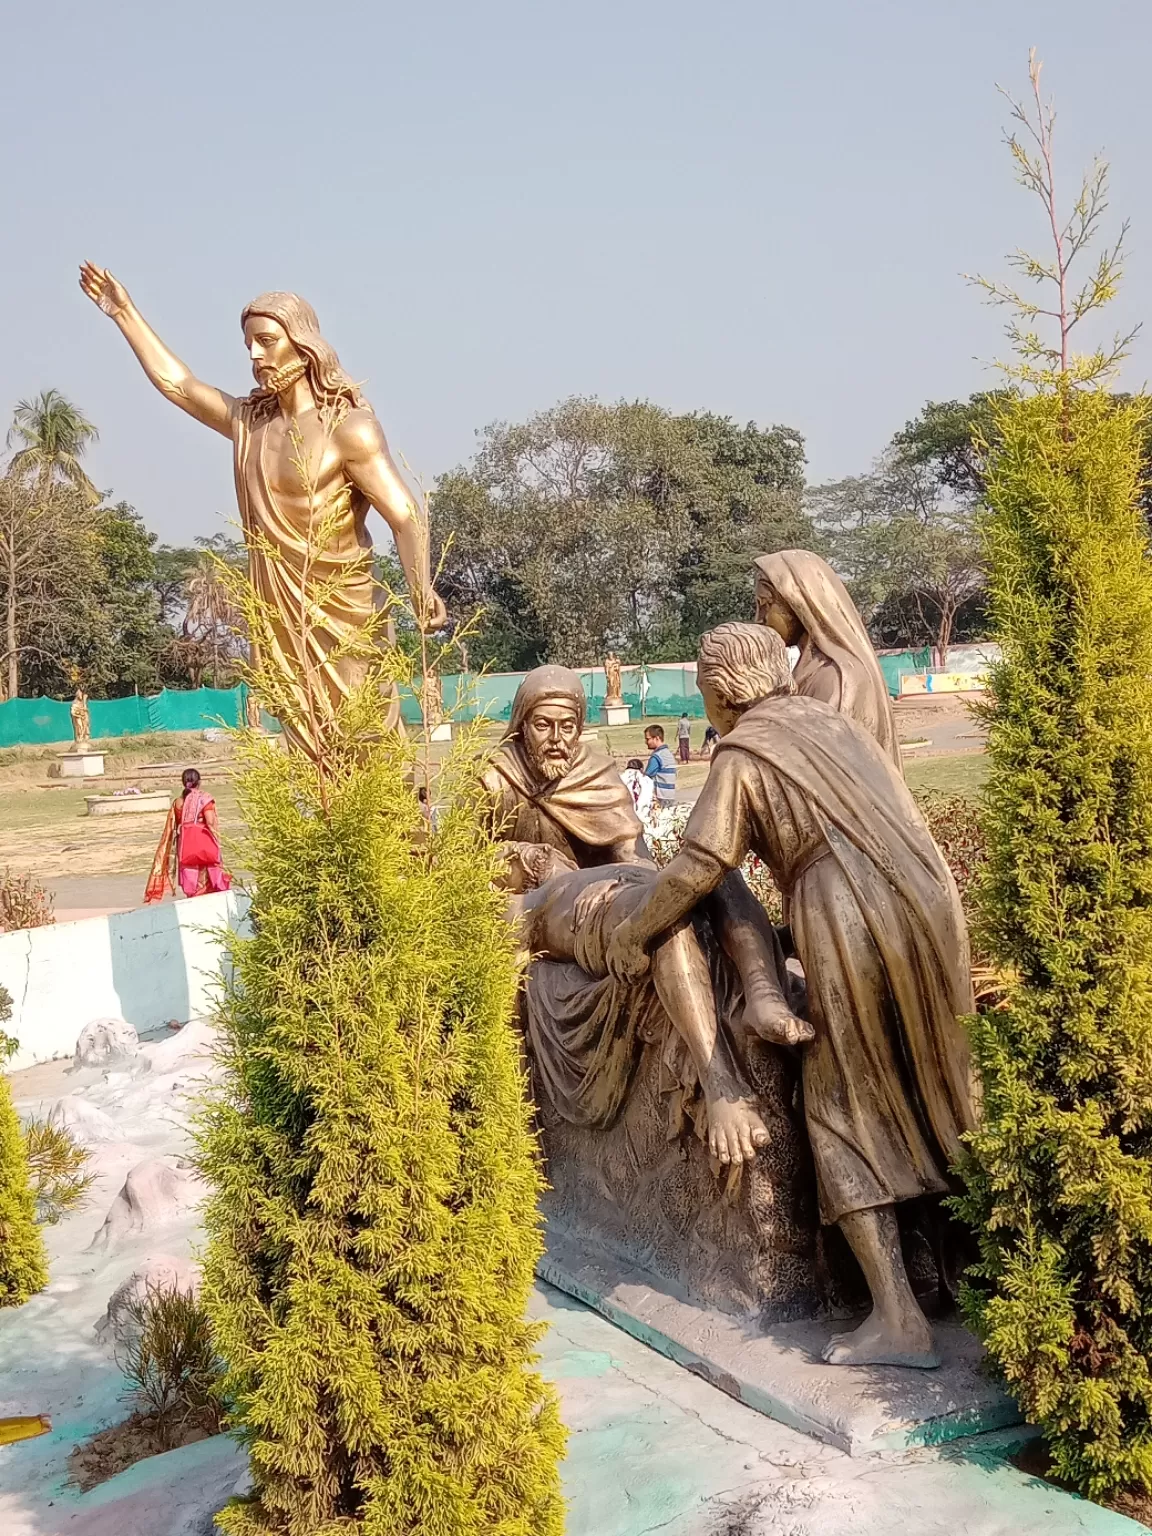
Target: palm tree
<point>53,434</point>
<point>212,617</point>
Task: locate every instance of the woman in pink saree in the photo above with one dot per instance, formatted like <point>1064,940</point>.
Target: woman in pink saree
<point>188,853</point>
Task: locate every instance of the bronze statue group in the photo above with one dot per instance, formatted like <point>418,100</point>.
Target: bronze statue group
<point>807,776</point>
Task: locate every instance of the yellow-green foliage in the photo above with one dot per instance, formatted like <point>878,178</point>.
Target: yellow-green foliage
<point>23,1263</point>
<point>1059,1188</point>
<point>374,1226</point>
<point>56,1167</point>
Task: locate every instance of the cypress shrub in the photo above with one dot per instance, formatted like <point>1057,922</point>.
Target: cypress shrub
<point>373,1229</point>
<point>1059,1182</point>
<point>23,1263</point>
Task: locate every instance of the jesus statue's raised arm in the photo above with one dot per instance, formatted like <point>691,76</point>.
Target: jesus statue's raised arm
<point>308,453</point>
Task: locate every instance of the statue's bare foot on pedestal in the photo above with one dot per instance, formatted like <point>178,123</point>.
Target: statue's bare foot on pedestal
<point>878,1341</point>
<point>735,1130</point>
<point>768,1016</point>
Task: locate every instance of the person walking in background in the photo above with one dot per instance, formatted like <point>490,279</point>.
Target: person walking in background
<point>640,787</point>
<point>661,767</point>
<point>684,737</point>
<point>188,853</point>
<point>429,812</point>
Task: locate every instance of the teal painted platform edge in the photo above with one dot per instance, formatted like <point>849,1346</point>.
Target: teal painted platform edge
<point>931,1432</point>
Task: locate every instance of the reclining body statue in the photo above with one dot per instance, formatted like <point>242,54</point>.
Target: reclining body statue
<point>575,845</point>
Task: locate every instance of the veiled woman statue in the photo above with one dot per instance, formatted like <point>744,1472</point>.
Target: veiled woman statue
<point>801,597</point>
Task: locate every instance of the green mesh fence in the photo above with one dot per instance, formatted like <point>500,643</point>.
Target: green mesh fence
<point>903,661</point>
<point>41,722</point>
<point>666,689</point>
<point>654,690</point>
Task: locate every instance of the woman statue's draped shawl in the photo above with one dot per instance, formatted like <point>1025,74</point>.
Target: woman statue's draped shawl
<point>586,812</point>
<point>837,661</point>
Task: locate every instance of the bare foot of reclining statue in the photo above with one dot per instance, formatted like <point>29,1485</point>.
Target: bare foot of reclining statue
<point>595,903</point>
<point>769,1017</point>
<point>735,1130</point>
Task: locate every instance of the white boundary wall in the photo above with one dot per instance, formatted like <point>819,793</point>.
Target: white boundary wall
<point>148,966</point>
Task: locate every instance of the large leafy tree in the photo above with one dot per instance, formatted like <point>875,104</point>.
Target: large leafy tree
<point>594,526</point>
<point>211,618</point>
<point>132,631</point>
<point>171,567</point>
<point>743,497</point>
<point>42,527</point>
<point>951,439</point>
<point>954,438</point>
<point>909,548</point>
<point>92,614</point>
<point>48,560</point>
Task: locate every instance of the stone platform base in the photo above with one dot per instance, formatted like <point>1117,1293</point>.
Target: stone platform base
<point>615,714</point>
<point>777,1369</point>
<point>81,765</point>
<point>128,805</point>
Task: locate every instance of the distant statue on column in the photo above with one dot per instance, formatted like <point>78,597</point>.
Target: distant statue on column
<point>81,720</point>
<point>612,683</point>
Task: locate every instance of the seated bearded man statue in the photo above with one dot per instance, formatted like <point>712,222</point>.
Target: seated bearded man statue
<point>575,845</point>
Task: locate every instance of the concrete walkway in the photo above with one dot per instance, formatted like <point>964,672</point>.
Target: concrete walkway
<point>96,895</point>
<point>652,1451</point>
<point>653,1448</point>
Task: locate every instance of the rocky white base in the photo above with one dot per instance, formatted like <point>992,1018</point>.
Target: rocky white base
<point>652,1447</point>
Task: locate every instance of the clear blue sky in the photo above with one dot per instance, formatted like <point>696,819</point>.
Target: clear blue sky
<point>755,208</point>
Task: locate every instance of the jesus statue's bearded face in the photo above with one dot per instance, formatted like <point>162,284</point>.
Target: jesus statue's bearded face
<point>272,353</point>
<point>550,735</point>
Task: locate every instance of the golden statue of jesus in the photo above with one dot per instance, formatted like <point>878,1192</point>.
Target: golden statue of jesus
<point>308,452</point>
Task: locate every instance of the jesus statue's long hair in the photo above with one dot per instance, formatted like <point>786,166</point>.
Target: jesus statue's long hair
<point>335,390</point>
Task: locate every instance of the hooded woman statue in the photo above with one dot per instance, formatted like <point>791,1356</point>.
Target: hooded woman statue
<point>801,597</point>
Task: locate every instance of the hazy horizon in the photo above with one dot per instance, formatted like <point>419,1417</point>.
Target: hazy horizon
<point>741,208</point>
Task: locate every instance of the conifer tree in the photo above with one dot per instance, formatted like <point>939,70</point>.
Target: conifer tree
<point>23,1263</point>
<point>373,1231</point>
<point>1059,1182</point>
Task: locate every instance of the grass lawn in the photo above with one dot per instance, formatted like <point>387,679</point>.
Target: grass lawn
<point>960,774</point>
<point>47,833</point>
<point>44,829</point>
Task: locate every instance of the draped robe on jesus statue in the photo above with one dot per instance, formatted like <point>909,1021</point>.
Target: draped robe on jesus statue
<point>317,594</point>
